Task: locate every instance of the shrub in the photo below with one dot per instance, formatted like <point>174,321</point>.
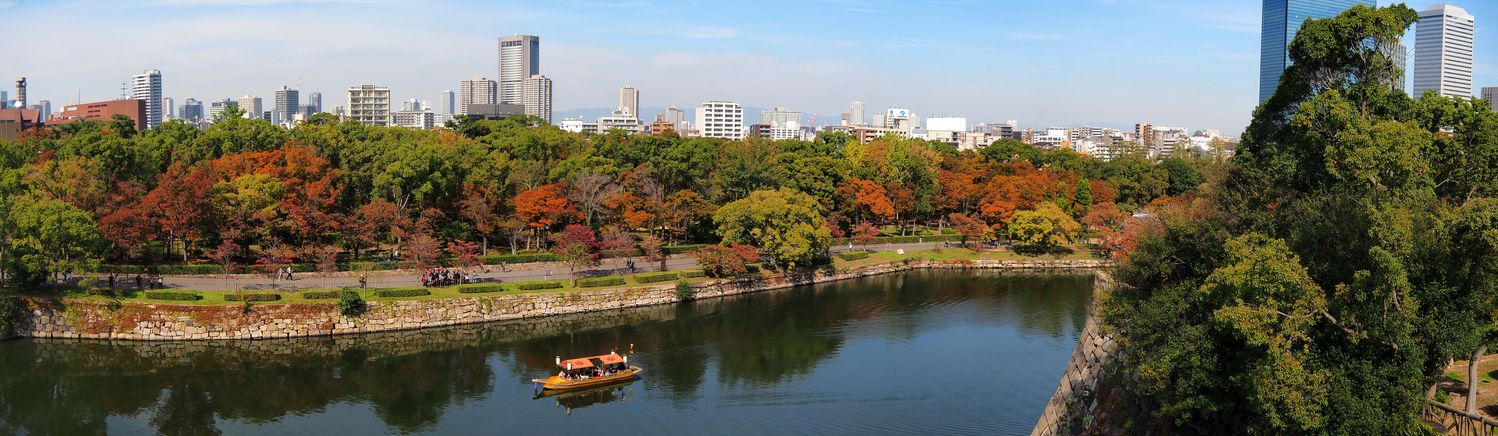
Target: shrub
<point>692,273</point>
<point>349,303</point>
<point>519,258</point>
<point>595,282</point>
<point>174,296</point>
<point>682,249</point>
<point>657,277</point>
<point>251,297</point>
<point>9,308</point>
<point>402,292</point>
<point>684,290</point>
<point>535,286</point>
<point>320,295</point>
<point>480,288</point>
<point>853,255</point>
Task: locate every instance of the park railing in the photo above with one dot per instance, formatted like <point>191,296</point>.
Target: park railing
<point>1456,421</point>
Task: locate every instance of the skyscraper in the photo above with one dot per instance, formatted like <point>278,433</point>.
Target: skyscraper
<point>147,86</point>
<point>448,103</point>
<point>252,107</point>
<point>192,110</point>
<point>1491,95</point>
<point>678,119</point>
<point>629,101</point>
<point>21,92</point>
<point>1443,51</point>
<point>519,59</point>
<point>369,104</point>
<point>314,103</point>
<point>288,104</point>
<point>536,96</point>
<point>856,114</point>
<point>1282,19</point>
<point>171,109</point>
<point>478,90</point>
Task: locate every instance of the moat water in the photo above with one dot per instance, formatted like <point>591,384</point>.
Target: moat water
<point>952,352</point>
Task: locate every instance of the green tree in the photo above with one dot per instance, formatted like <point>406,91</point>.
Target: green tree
<point>50,237</point>
<point>1082,198</point>
<point>786,225</point>
<point>1046,226</point>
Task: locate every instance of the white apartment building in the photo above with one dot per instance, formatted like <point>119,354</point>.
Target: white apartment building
<point>577,125</point>
<point>1443,51</point>
<point>721,119</point>
<point>536,96</point>
<point>627,123</point>
<point>477,90</point>
<point>369,104</point>
<point>424,120</point>
<point>252,106</point>
<point>147,86</point>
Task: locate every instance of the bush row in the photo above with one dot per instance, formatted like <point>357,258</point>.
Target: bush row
<point>519,258</point>
<point>594,282</point>
<point>535,286</point>
<point>692,273</point>
<point>252,297</point>
<point>853,255</point>
<point>902,239</point>
<point>480,288</point>
<point>656,277</point>
<point>320,295</point>
<point>682,249</point>
<point>175,296</point>
<point>402,292</point>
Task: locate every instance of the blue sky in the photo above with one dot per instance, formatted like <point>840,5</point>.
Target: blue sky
<point>1044,63</point>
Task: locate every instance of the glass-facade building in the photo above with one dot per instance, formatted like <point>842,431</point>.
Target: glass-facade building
<point>1282,19</point>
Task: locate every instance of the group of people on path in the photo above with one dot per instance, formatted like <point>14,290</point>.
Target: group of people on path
<point>140,281</point>
<point>444,277</point>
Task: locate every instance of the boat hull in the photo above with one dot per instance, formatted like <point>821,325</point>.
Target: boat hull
<point>554,383</point>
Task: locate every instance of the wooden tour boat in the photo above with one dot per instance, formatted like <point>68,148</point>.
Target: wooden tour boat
<point>586,372</point>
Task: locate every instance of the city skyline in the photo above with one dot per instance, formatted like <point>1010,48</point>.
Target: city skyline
<point>1041,74</point>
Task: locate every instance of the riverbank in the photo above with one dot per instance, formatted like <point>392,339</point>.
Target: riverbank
<point>92,318</point>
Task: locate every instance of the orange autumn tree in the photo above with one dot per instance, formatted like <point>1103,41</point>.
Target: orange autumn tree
<point>542,208</point>
<point>868,200</point>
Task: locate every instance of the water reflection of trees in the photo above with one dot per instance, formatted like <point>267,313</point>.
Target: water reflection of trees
<point>410,379</point>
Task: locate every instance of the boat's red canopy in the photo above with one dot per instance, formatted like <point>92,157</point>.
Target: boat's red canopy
<point>585,362</point>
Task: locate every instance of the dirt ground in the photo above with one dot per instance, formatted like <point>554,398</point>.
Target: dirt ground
<point>1455,385</point>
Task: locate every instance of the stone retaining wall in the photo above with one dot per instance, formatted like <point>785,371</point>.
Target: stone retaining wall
<point>1075,398</point>
<point>93,319</point>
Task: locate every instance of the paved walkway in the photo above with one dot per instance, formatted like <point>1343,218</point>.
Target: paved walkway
<point>489,273</point>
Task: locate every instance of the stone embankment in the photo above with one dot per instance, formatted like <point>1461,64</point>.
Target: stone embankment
<point>94,319</point>
<point>1075,399</point>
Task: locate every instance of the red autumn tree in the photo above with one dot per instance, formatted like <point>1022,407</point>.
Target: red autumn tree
<point>543,207</point>
<point>577,245</point>
<point>971,228</point>
<point>865,233</point>
<point>422,252</point>
<point>867,199</point>
<point>480,206</point>
<point>130,225</point>
<point>466,253</point>
<point>654,250</point>
<point>180,204</point>
<point>726,261</point>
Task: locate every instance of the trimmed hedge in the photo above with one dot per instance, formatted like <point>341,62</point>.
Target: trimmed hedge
<point>656,277</point>
<point>175,296</point>
<point>595,282</point>
<point>853,255</point>
<point>320,295</point>
<point>403,292</point>
<point>902,239</point>
<point>252,297</point>
<point>535,286</point>
<point>682,249</point>
<point>692,274</point>
<point>480,288</point>
<point>520,258</point>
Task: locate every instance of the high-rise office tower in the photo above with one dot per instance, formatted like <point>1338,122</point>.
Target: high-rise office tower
<point>314,103</point>
<point>21,92</point>
<point>171,109</point>
<point>192,110</point>
<point>1491,95</point>
<point>369,104</point>
<point>252,107</point>
<point>1443,51</point>
<point>447,103</point>
<point>477,90</point>
<point>629,101</point>
<point>856,114</point>
<point>218,106</point>
<point>1282,19</point>
<point>4,99</point>
<point>288,104</point>
<point>536,96</point>
<point>721,119</point>
<point>147,86</point>
<point>46,109</point>
<point>678,120</point>
<point>519,59</point>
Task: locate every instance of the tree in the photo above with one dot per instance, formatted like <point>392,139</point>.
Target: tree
<point>653,250</point>
<point>49,238</point>
<point>577,245</point>
<point>971,228</point>
<point>1082,198</point>
<point>786,225</point>
<point>865,233</point>
<point>1046,226</point>
<point>464,252</point>
<point>542,207</point>
<point>422,251</point>
<point>725,260</point>
<point>868,199</point>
